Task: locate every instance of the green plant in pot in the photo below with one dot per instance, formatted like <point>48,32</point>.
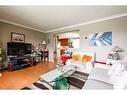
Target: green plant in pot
<point>61,83</point>
<point>36,54</point>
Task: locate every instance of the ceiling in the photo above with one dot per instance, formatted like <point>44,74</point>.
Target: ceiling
<point>52,18</point>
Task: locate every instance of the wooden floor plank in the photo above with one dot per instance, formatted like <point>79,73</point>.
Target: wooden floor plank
<point>24,77</point>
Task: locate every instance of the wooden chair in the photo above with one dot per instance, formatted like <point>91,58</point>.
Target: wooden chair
<point>44,55</point>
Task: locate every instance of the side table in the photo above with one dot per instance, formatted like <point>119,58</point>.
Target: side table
<point>111,61</point>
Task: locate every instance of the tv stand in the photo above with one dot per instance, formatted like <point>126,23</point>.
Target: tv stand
<point>19,62</point>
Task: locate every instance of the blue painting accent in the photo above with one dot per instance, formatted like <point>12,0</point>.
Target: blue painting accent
<point>100,39</point>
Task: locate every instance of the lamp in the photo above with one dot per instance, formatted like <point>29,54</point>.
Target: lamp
<point>43,43</point>
<point>117,49</point>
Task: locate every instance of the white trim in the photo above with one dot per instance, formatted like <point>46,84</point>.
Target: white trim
<point>63,2</point>
<point>71,26</point>
<point>90,22</point>
<point>9,22</point>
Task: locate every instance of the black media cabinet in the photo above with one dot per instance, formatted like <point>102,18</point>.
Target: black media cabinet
<point>16,63</point>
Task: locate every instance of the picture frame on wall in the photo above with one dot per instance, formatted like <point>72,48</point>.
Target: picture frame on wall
<point>112,56</point>
<point>100,39</point>
<point>17,37</point>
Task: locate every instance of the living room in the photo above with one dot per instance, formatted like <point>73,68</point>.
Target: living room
<point>38,29</point>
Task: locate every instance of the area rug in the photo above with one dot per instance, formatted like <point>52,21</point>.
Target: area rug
<point>76,81</point>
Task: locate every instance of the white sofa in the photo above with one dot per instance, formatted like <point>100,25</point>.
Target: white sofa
<point>100,78</point>
<point>80,66</point>
<point>113,78</point>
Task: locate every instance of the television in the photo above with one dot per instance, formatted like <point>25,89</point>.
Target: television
<point>15,48</point>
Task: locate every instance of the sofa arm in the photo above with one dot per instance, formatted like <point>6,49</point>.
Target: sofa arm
<point>92,63</point>
<point>69,62</point>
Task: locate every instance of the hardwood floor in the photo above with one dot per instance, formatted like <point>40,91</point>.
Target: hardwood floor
<point>24,77</point>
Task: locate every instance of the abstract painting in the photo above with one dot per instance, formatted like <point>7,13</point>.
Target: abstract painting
<point>100,39</point>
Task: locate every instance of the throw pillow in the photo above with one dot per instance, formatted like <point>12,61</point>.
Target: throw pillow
<point>116,71</point>
<point>86,58</point>
<point>116,68</point>
<point>76,57</point>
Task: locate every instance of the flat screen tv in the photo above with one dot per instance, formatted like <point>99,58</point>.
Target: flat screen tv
<point>15,48</point>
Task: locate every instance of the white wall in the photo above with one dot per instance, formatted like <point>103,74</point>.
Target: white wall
<point>118,26</point>
<point>31,36</point>
<point>50,46</point>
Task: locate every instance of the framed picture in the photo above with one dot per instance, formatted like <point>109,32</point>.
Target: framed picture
<point>17,37</point>
<point>110,56</point>
<point>100,39</point>
<point>113,56</point>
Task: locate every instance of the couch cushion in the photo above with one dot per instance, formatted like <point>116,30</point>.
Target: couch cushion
<point>94,84</point>
<point>100,74</point>
<point>79,64</point>
<point>76,57</point>
<point>118,67</point>
<point>86,58</point>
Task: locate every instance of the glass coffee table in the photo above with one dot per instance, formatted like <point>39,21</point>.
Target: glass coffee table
<point>57,78</point>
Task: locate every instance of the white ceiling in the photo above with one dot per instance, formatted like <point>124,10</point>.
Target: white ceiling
<point>51,18</point>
